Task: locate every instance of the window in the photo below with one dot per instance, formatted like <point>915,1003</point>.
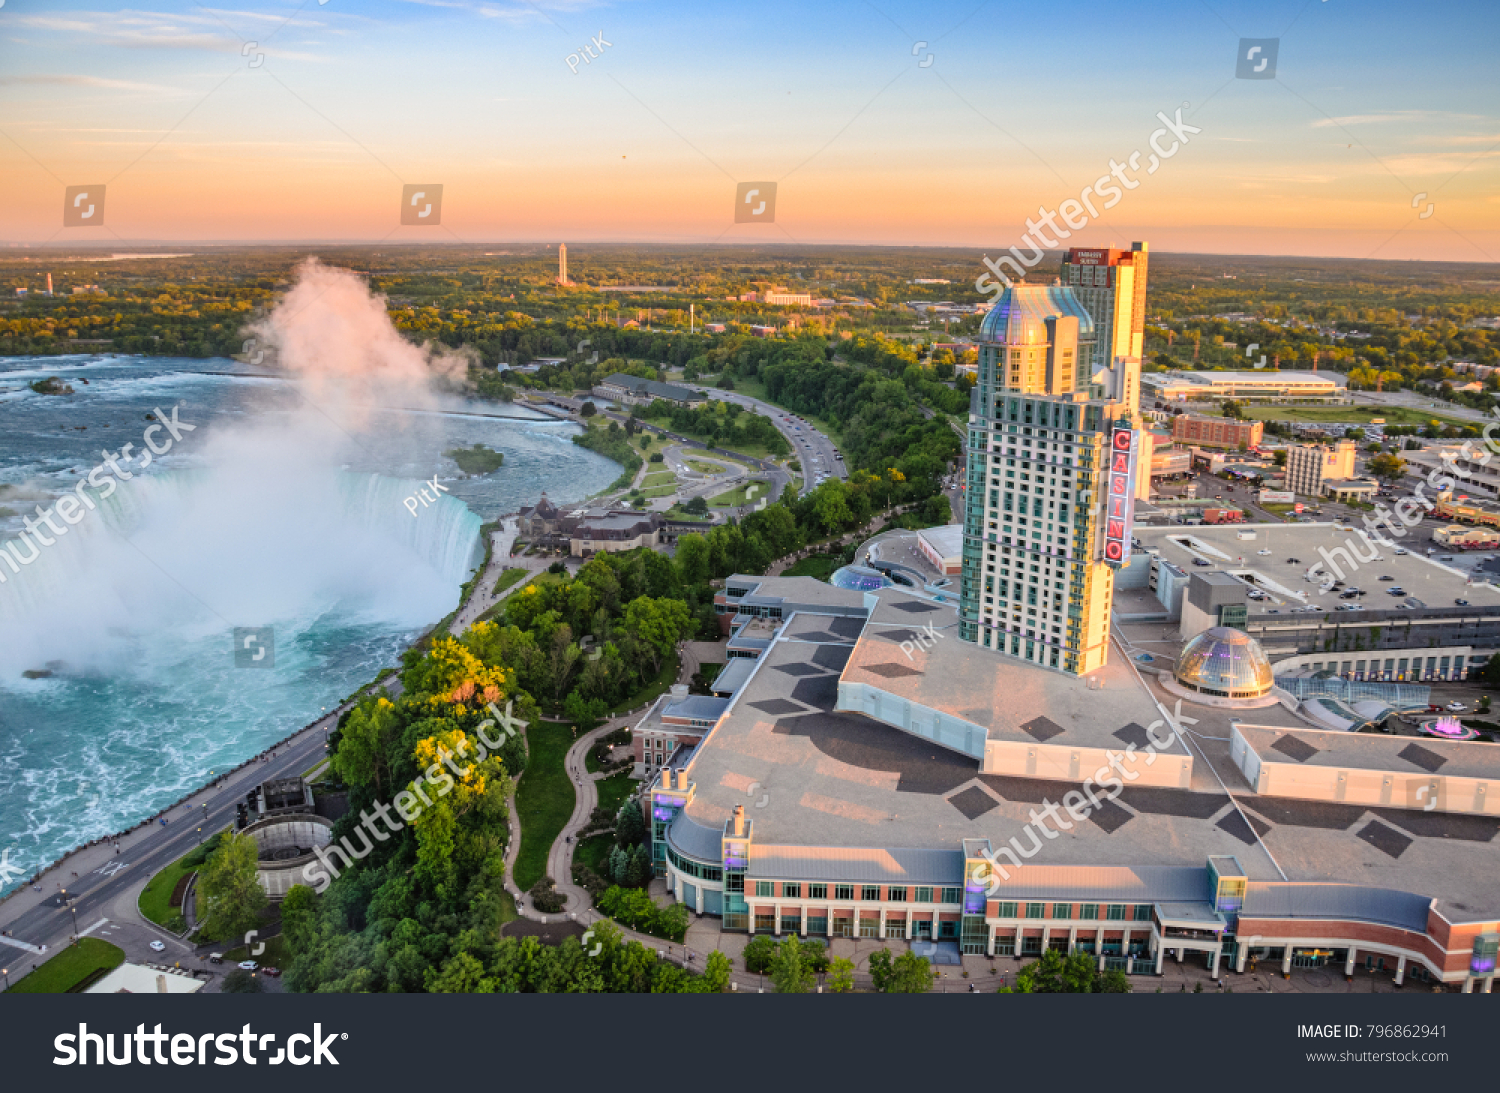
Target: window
<point>897,893</point>
<point>1143,912</point>
<point>1116,912</point>
<point>791,891</point>
<point>817,924</point>
<point>1062,910</point>
<point>1089,911</point>
<point>843,891</point>
<point>817,891</point>
<point>1036,910</point>
<point>924,895</point>
<point>765,888</point>
<point>870,893</point>
<point>1005,910</point>
<point>952,895</point>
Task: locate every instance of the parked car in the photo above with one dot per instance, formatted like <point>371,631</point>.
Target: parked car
<point>274,973</point>
<point>1387,577</point>
<point>1456,707</point>
<point>158,947</point>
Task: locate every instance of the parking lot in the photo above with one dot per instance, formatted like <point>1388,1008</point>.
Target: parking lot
<point>1276,564</point>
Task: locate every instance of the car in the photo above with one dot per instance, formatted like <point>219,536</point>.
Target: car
<point>274,973</point>
<point>216,958</point>
<point>1255,594</point>
<point>1396,590</point>
<point>1201,561</point>
<point>1462,603</point>
<point>1456,707</point>
<point>1294,561</point>
<point>1400,550</point>
<point>1387,577</point>
<point>158,947</point>
<point>1262,552</point>
<point>248,965</point>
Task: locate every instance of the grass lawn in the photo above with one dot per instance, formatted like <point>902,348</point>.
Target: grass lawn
<point>677,512</point>
<point>615,789</point>
<point>508,578</point>
<point>658,478</point>
<point>544,799</point>
<point>741,495</point>
<point>276,954</point>
<point>1394,415</point>
<point>70,967</point>
<point>820,566</point>
<point>156,898</point>
<point>594,852</point>
<point>703,467</point>
<point>656,491</point>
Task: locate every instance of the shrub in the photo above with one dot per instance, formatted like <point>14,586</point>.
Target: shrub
<point>545,897</point>
<point>657,457</point>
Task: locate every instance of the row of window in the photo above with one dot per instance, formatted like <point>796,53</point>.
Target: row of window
<point>1087,912</point>
<point>895,893</point>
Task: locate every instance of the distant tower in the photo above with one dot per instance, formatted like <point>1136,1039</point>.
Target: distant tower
<point>562,263</point>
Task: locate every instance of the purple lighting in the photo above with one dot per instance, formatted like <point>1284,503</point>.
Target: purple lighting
<point>1448,728</point>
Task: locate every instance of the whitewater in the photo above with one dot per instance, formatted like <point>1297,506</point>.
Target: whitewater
<point>281,509</point>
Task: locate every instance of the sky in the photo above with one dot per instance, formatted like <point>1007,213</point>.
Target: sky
<point>910,123</point>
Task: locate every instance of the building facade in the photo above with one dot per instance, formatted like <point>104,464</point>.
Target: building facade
<point>1035,582</point>
<point>1309,466</point>
<point>1217,432</point>
<point>1111,284</point>
<point>1258,386</point>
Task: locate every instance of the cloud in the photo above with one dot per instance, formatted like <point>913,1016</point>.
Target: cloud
<point>90,81</point>
<point>1391,118</point>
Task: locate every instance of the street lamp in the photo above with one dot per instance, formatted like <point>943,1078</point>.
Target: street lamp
<point>6,972</point>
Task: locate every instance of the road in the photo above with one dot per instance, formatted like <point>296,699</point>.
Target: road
<point>815,451</point>
<point>106,885</point>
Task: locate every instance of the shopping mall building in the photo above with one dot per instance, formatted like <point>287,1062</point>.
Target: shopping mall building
<point>870,774</point>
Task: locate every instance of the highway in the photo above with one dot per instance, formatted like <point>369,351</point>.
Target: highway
<point>815,451</point>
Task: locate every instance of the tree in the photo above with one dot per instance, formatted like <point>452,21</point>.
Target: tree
<point>716,972</point>
<point>630,827</point>
<point>299,918</point>
<point>363,755</point>
<point>759,951</point>
<point>638,872</point>
<point>239,981</point>
<point>841,976</point>
<point>693,556</point>
<point>1279,457</point>
<point>904,974</point>
<point>619,863</point>
<point>588,409</point>
<point>660,624</point>
<point>587,714</point>
<point>789,970</point>
<point>1387,467</point>
<point>229,890</point>
<point>1076,973</point>
<point>698,506</point>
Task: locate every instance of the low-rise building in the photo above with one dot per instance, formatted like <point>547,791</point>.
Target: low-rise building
<point>1259,386</point>
<point>614,531</point>
<point>1309,466</point>
<point>635,391</point>
<point>1216,432</point>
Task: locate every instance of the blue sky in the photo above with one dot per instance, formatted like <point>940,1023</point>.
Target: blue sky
<point>872,138</point>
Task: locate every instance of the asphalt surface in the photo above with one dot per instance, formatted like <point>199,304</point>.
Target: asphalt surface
<point>816,452</point>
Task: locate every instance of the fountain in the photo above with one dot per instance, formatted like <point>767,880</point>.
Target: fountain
<point>1448,728</point>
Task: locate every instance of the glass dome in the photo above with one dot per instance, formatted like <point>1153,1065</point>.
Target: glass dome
<point>1020,314</point>
<point>859,578</point>
<point>1225,663</point>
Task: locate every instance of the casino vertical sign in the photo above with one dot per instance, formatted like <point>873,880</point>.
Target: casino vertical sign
<point>1120,501</point>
